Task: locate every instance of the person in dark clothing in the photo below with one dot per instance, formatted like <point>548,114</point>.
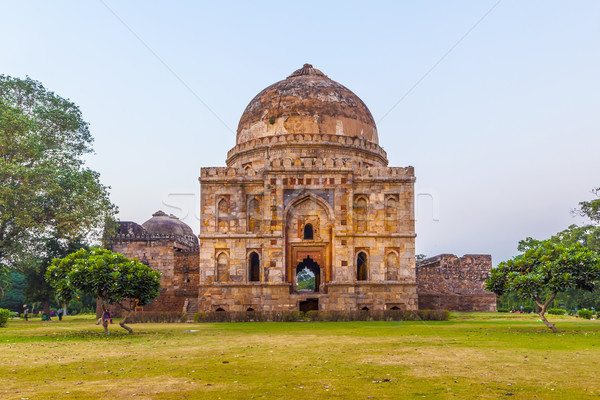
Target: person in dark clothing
<point>60,314</point>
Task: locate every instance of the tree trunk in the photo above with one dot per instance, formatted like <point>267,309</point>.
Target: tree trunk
<point>46,305</point>
<point>104,320</point>
<point>122,322</point>
<point>543,307</point>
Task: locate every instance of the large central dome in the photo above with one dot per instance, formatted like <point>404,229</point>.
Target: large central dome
<point>307,102</point>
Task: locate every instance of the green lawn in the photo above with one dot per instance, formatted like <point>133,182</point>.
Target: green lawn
<point>477,355</point>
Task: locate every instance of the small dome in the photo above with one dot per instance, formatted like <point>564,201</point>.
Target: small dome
<point>164,224</point>
<point>306,102</point>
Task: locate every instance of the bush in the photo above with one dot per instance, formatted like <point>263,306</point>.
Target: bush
<point>503,310</point>
<point>4,316</point>
<point>332,316</point>
<point>527,309</point>
<point>557,311</point>
<point>156,316</point>
<point>587,314</point>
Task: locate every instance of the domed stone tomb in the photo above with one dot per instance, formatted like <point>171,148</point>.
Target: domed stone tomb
<point>307,214</point>
<point>163,224</point>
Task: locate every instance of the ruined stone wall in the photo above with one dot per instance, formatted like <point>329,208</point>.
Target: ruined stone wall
<point>457,284</point>
<point>177,264</point>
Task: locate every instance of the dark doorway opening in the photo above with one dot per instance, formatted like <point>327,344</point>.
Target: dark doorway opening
<point>308,232</point>
<point>254,267</point>
<point>309,305</point>
<point>362,273</point>
<point>308,275</point>
<point>364,308</point>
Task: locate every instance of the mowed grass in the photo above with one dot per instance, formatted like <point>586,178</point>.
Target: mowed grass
<point>474,355</point>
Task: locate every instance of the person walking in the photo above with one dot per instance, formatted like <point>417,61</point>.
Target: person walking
<point>26,312</point>
<point>60,314</point>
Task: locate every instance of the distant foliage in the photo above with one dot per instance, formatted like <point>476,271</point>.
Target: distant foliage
<point>4,316</point>
<point>527,309</point>
<point>587,314</point>
<point>503,310</point>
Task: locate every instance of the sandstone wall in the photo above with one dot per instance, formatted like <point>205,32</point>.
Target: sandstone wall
<point>457,284</point>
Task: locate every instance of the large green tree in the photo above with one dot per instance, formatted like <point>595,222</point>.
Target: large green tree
<point>46,192</point>
<point>110,276</point>
<point>588,235</point>
<point>544,271</point>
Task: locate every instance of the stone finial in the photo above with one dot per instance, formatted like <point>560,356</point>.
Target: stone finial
<point>307,69</point>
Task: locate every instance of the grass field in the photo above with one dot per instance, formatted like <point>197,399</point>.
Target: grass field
<point>488,356</point>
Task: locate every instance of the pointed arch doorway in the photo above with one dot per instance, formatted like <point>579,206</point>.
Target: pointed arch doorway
<point>308,275</point>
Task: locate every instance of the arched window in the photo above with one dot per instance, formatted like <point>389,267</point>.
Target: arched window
<point>223,215</point>
<point>360,210</point>
<point>254,267</point>
<point>392,264</point>
<point>391,215</point>
<point>362,268</point>
<point>254,215</point>
<point>308,232</point>
<point>222,267</point>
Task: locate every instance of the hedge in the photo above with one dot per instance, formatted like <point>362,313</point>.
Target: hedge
<point>299,316</point>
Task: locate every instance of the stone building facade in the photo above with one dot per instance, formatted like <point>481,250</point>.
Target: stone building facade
<point>305,215</point>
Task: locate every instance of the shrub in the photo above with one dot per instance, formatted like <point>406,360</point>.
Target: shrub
<point>587,314</point>
<point>4,316</point>
<point>557,311</point>
<point>527,309</point>
<point>503,310</point>
<point>332,316</point>
<point>156,316</point>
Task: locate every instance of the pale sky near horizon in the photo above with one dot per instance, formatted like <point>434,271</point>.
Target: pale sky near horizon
<point>495,104</point>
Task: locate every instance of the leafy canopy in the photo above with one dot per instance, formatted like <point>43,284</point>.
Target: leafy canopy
<point>45,190</point>
<point>545,269</point>
<point>110,276</point>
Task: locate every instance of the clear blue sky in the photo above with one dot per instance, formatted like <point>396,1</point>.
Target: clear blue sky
<point>503,132</point>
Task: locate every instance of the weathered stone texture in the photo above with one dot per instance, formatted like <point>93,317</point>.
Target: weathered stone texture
<point>452,283</point>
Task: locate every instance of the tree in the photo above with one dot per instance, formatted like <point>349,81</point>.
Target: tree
<point>545,270</point>
<point>5,279</point>
<point>45,191</point>
<point>109,276</point>
<point>591,209</point>
<point>37,288</point>
<point>306,280</point>
<point>13,297</point>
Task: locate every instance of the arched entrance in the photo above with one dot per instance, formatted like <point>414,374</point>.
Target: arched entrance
<point>308,236</point>
<point>308,275</point>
